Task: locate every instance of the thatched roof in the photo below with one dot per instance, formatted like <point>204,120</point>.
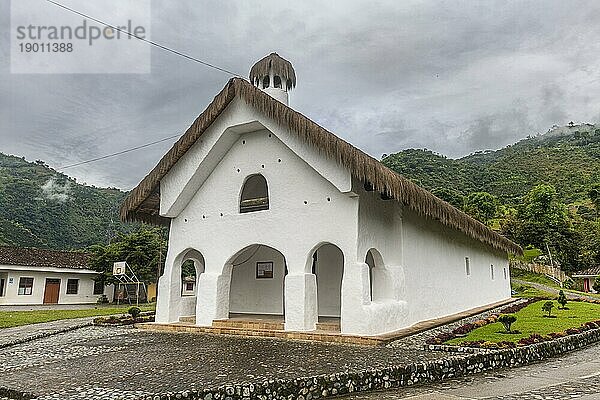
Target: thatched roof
<point>280,66</point>
<point>30,257</point>
<point>142,203</point>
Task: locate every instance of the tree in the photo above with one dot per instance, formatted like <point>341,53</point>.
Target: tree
<point>562,299</point>
<point>594,195</point>
<point>507,320</point>
<point>547,307</point>
<point>142,250</point>
<point>482,206</point>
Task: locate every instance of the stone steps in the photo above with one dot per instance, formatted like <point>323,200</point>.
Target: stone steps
<point>321,336</point>
<point>328,326</point>
<point>248,324</point>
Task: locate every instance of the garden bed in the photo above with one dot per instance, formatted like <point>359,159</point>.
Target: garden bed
<point>532,326</point>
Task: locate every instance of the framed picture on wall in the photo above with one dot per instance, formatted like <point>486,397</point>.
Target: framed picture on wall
<point>264,270</point>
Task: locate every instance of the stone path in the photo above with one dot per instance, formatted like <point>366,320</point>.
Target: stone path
<point>539,286</point>
<point>573,376</point>
<point>21,334</point>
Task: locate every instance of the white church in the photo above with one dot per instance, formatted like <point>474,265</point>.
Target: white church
<point>282,218</point>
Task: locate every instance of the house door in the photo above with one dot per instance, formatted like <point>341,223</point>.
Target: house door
<point>51,291</point>
<point>2,283</point>
<point>586,285</point>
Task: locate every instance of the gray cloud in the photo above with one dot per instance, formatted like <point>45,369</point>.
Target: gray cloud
<point>453,77</point>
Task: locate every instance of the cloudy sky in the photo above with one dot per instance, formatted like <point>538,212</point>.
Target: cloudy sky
<point>450,76</point>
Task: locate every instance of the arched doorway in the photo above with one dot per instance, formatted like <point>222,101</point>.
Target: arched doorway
<point>186,270</point>
<point>257,281</point>
<point>379,281</point>
<point>328,266</point>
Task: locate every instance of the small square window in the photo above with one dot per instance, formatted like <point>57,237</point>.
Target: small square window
<point>189,286</point>
<point>468,266</point>
<point>25,286</point>
<point>72,286</point>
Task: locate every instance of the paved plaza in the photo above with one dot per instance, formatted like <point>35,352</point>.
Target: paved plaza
<point>93,362</point>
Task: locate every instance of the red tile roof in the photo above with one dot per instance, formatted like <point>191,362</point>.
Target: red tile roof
<point>29,257</point>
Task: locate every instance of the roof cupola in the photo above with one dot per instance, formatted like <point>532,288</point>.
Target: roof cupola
<point>275,75</point>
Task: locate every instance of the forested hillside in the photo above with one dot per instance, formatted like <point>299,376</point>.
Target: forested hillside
<point>542,192</point>
<point>40,207</point>
<point>567,158</point>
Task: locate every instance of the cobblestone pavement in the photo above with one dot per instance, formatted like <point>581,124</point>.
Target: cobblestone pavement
<point>573,376</point>
<point>111,363</point>
<point>19,334</point>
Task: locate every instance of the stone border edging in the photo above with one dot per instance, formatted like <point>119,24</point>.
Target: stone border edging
<point>45,335</point>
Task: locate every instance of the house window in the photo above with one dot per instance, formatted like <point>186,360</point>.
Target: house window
<point>25,286</point>
<point>189,286</point>
<point>468,266</point>
<point>266,82</point>
<point>98,287</point>
<point>277,82</point>
<point>255,194</point>
<point>505,273</point>
<point>492,271</point>
<point>72,286</point>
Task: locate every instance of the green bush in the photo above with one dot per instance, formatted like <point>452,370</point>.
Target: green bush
<point>562,299</point>
<point>547,307</point>
<point>134,312</point>
<point>507,320</point>
<point>596,286</point>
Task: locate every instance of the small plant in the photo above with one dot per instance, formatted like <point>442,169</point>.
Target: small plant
<point>134,312</point>
<point>596,285</point>
<point>562,299</point>
<point>507,320</point>
<point>547,307</point>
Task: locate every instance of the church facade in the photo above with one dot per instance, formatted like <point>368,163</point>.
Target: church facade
<point>281,217</point>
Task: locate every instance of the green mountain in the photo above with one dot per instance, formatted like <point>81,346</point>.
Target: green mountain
<point>40,207</point>
<point>566,157</point>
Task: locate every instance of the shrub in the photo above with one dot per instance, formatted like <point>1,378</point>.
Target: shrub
<point>547,307</point>
<point>134,312</point>
<point>562,299</point>
<point>507,320</point>
<point>596,285</point>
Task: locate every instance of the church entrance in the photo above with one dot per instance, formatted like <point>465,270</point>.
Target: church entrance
<point>257,284</point>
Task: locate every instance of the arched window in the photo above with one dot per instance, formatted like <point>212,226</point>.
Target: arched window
<point>266,81</point>
<point>255,194</point>
<point>277,82</point>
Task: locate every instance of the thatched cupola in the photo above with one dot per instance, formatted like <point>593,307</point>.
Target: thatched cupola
<point>275,75</point>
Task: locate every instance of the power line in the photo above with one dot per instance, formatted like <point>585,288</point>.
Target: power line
<point>160,46</point>
<point>119,152</point>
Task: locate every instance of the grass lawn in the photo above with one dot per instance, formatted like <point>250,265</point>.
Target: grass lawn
<point>9,319</point>
<point>531,320</point>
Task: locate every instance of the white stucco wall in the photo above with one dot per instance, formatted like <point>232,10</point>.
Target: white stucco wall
<point>85,293</point>
<point>307,194</point>
<point>434,265</point>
